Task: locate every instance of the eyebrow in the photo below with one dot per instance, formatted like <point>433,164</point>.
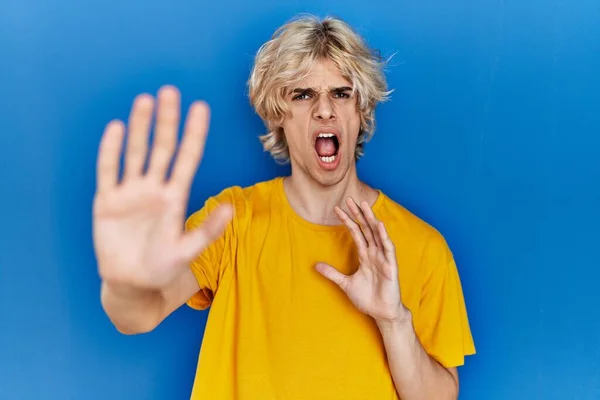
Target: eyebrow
<point>340,89</point>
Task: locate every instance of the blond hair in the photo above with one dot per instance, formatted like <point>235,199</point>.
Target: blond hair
<point>287,58</point>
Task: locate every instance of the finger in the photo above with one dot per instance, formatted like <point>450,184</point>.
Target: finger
<point>354,229</point>
<point>109,156</point>
<point>137,136</point>
<point>372,221</point>
<point>192,145</point>
<point>333,275</point>
<point>360,217</point>
<point>195,241</point>
<point>167,126</point>
<point>388,246</point>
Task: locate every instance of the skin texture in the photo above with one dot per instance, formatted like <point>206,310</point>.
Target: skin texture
<point>320,108</point>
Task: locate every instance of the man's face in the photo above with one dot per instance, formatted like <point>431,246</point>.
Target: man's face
<point>322,126</point>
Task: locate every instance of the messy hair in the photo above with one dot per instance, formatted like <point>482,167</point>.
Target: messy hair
<point>287,58</point>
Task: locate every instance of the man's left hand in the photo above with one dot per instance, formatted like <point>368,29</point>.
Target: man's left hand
<point>374,288</point>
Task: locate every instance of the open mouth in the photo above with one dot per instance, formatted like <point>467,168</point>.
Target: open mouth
<point>327,146</point>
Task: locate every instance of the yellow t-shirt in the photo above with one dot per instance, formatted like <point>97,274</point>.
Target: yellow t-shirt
<point>278,330</point>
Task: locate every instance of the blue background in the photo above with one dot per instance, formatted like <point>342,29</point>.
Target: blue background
<point>492,136</point>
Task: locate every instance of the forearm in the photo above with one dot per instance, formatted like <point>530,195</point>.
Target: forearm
<point>132,310</point>
<point>416,375</point>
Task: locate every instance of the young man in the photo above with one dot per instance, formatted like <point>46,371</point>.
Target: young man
<point>320,286</point>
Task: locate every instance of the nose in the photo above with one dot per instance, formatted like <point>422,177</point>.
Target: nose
<point>324,108</point>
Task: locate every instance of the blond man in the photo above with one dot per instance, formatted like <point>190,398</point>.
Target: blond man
<point>319,286</point>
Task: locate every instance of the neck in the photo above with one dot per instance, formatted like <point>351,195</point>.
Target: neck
<point>314,201</point>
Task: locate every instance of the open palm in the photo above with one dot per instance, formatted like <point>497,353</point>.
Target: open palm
<point>138,221</point>
<point>374,288</point>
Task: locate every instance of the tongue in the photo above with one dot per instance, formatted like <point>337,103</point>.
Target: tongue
<point>325,147</point>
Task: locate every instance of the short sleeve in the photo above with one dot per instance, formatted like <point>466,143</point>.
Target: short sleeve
<point>209,265</point>
<point>442,323</point>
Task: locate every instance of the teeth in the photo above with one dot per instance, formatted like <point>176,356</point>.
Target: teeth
<point>328,159</point>
<point>326,135</point>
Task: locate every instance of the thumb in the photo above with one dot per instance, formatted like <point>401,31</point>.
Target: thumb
<point>196,240</point>
<point>332,274</point>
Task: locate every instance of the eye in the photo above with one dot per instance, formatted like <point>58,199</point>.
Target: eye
<point>341,95</point>
<point>301,96</point>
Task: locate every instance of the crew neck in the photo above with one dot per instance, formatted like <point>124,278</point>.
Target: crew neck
<point>280,192</point>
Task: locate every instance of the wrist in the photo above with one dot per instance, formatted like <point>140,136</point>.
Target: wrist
<point>401,323</point>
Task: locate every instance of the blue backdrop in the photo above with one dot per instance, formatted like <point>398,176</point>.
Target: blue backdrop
<point>493,136</point>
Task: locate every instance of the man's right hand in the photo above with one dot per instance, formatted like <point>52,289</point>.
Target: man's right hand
<point>138,220</point>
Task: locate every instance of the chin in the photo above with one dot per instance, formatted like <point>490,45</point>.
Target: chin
<point>330,173</point>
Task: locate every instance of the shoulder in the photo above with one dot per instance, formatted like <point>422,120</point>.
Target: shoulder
<point>243,196</point>
<point>409,232</point>
<point>243,199</point>
<point>400,219</point>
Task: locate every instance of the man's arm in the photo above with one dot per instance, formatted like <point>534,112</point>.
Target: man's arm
<point>375,290</point>
<point>416,375</point>
<point>142,251</point>
<point>134,311</point>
